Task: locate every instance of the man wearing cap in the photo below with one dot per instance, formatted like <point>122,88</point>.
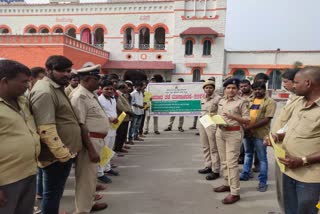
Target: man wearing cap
<point>95,125</point>
<point>235,112</point>
<point>209,106</point>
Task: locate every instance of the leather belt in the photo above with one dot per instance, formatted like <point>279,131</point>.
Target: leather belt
<point>97,135</point>
<point>232,128</point>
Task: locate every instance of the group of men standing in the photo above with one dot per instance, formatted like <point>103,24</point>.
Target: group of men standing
<point>72,129</point>
<point>248,110</point>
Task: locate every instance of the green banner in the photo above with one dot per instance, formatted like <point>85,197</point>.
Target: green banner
<point>176,106</point>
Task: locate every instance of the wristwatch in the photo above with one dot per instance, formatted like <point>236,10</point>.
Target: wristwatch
<point>304,161</point>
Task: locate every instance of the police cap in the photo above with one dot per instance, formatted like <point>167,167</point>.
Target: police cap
<point>233,81</point>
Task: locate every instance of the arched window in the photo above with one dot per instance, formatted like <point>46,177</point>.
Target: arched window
<point>31,30</point>
<point>275,80</point>
<point>189,48</point>
<point>44,30</point>
<point>206,48</point>
<point>58,30</point>
<point>144,39</point>
<point>128,38</point>
<point>159,39</point>
<point>86,36</point>
<point>240,74</point>
<point>71,32</point>
<point>196,76</point>
<point>4,30</point>
<point>99,38</point>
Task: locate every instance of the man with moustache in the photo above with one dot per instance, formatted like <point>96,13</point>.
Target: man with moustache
<point>59,130</point>
<point>262,110</point>
<point>95,126</point>
<point>301,179</point>
<point>20,143</point>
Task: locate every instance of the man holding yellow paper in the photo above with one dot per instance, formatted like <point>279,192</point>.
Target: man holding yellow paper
<point>209,105</point>
<point>109,105</point>
<point>301,141</point>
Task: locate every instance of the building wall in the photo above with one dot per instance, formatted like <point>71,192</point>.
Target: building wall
<point>175,16</point>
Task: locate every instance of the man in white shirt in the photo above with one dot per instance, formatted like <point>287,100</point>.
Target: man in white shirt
<point>109,105</point>
<point>138,110</point>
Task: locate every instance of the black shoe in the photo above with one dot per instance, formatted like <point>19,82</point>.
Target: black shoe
<point>105,179</point>
<point>256,169</point>
<point>212,176</point>
<point>205,170</point>
<point>145,132</point>
<point>193,127</point>
<point>197,133</point>
<point>180,129</point>
<point>112,172</point>
<point>157,132</point>
<point>167,129</point>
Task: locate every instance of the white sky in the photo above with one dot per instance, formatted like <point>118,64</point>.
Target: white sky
<point>267,24</point>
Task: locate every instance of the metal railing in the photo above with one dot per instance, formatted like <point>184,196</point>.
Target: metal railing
<point>100,46</point>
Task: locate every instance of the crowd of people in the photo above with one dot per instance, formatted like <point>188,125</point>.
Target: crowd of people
<point>54,118</point>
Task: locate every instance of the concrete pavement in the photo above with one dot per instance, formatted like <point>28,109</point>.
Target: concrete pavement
<point>159,176</point>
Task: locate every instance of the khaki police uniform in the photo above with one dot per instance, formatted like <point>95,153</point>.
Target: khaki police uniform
<point>209,105</point>
<point>229,140</point>
<point>91,114</point>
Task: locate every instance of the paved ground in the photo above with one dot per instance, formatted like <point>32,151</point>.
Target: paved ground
<point>159,176</point>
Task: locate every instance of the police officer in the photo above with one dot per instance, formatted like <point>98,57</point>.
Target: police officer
<point>235,111</point>
<point>96,123</point>
<point>209,105</point>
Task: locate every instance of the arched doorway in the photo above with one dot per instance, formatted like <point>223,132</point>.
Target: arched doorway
<point>58,30</point>
<point>275,80</point>
<point>196,75</point>
<point>159,39</point>
<point>99,38</point>
<point>4,30</point>
<point>239,74</point>
<point>71,32</point>
<point>86,36</point>
<point>135,75</point>
<point>144,39</point>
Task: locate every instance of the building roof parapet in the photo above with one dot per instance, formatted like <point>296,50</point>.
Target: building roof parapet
<point>85,8</point>
<point>51,39</point>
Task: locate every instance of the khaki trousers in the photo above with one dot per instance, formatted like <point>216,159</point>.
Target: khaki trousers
<point>86,178</point>
<point>229,143</point>
<point>155,123</point>
<point>210,149</point>
<point>181,120</point>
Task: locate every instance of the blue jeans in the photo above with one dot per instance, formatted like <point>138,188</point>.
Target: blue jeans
<point>39,182</point>
<point>251,144</point>
<point>300,197</point>
<point>135,125</point>
<point>54,179</point>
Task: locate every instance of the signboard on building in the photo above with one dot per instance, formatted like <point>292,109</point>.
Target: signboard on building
<point>175,99</point>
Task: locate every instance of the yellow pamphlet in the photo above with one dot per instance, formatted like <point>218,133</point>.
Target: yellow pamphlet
<point>105,155</point>
<point>318,205</point>
<point>217,119</point>
<point>120,120</point>
<point>147,97</point>
<point>207,120</point>
<point>279,152</point>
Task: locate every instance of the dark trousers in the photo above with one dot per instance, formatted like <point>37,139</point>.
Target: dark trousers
<point>39,182</point>
<point>121,137</point>
<point>142,123</point>
<point>54,179</point>
<point>300,197</point>
<point>20,195</point>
